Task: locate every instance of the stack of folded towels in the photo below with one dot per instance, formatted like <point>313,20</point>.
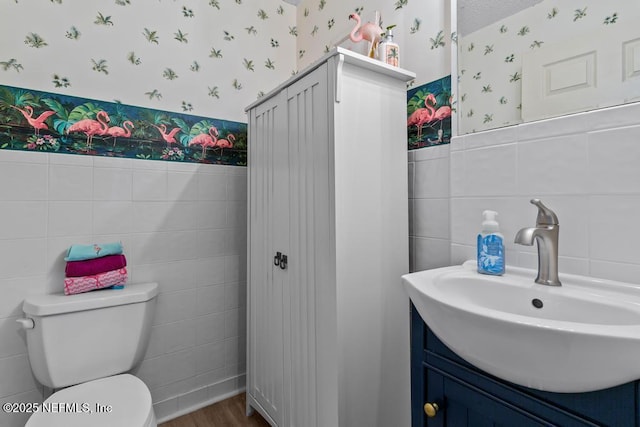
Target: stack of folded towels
<point>95,266</point>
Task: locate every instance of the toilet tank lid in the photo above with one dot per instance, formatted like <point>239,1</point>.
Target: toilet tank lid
<point>47,305</point>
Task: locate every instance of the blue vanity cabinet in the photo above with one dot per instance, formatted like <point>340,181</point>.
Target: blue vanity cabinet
<point>468,396</point>
<point>466,405</point>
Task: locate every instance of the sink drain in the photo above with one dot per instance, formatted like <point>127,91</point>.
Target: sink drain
<point>537,303</point>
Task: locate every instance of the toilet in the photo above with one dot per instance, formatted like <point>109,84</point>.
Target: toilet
<point>82,346</point>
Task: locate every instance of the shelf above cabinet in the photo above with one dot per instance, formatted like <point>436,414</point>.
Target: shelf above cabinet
<point>345,56</point>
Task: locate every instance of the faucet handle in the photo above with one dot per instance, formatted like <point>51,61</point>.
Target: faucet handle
<point>545,215</point>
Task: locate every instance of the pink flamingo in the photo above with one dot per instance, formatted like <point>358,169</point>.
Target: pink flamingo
<point>37,123</point>
<point>422,115</point>
<point>116,131</point>
<point>369,31</point>
<point>214,138</point>
<point>226,143</point>
<point>205,140</point>
<point>169,138</point>
<point>441,113</point>
<point>92,127</point>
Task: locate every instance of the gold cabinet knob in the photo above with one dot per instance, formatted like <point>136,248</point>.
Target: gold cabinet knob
<point>431,409</point>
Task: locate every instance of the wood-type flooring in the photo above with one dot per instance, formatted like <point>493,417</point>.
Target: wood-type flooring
<point>227,413</point>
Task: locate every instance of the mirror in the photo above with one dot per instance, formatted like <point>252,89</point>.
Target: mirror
<point>525,60</point>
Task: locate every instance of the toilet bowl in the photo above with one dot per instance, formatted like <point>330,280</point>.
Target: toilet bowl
<point>121,400</point>
<point>83,345</point>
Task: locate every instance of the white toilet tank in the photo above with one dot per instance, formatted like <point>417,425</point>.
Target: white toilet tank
<point>78,338</point>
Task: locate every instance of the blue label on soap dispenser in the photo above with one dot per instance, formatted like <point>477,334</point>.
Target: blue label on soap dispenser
<point>490,254</point>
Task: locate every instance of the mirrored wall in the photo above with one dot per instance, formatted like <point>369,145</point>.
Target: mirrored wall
<point>525,60</point>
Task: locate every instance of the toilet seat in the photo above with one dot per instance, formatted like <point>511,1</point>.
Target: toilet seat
<point>127,395</point>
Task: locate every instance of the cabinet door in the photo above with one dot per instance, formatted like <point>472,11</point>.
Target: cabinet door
<point>465,406</point>
<point>306,106</point>
<point>265,344</point>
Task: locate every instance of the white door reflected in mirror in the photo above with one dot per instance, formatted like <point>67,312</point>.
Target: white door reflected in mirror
<point>520,61</point>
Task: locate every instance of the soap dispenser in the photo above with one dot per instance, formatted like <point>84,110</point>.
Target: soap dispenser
<point>490,245</point>
<point>388,50</point>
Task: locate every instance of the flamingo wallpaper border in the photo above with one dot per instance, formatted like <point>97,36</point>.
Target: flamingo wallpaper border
<point>429,109</point>
<point>32,120</point>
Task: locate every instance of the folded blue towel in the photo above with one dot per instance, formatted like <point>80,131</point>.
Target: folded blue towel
<point>97,250</point>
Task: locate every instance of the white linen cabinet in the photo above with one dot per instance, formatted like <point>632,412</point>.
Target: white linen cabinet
<point>328,341</point>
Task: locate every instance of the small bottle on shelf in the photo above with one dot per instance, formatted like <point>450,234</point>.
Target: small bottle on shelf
<point>388,50</point>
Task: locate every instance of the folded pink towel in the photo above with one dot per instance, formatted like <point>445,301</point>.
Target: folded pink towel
<point>77,285</point>
<point>95,266</point>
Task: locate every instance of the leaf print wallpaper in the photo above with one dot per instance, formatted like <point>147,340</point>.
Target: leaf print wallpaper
<point>422,30</point>
<point>490,59</point>
<point>209,58</point>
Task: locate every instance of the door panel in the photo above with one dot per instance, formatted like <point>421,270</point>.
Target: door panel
<point>265,284</point>
<point>308,182</point>
<point>591,71</point>
<point>466,406</point>
<point>289,213</point>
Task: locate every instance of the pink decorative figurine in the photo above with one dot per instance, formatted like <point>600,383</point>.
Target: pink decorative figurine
<point>369,31</point>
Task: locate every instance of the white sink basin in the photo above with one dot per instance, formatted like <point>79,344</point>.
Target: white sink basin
<point>585,337</point>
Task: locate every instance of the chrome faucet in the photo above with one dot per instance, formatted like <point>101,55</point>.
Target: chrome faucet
<point>546,234</point>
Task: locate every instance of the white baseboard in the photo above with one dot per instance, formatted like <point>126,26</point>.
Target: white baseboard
<point>184,404</point>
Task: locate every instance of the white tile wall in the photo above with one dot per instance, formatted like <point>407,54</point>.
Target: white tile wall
<point>70,182</point>
<point>19,419</point>
<point>429,208</point>
<point>583,166</point>
<point>182,225</point>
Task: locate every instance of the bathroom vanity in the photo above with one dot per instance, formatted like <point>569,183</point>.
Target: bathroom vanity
<point>456,394</point>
